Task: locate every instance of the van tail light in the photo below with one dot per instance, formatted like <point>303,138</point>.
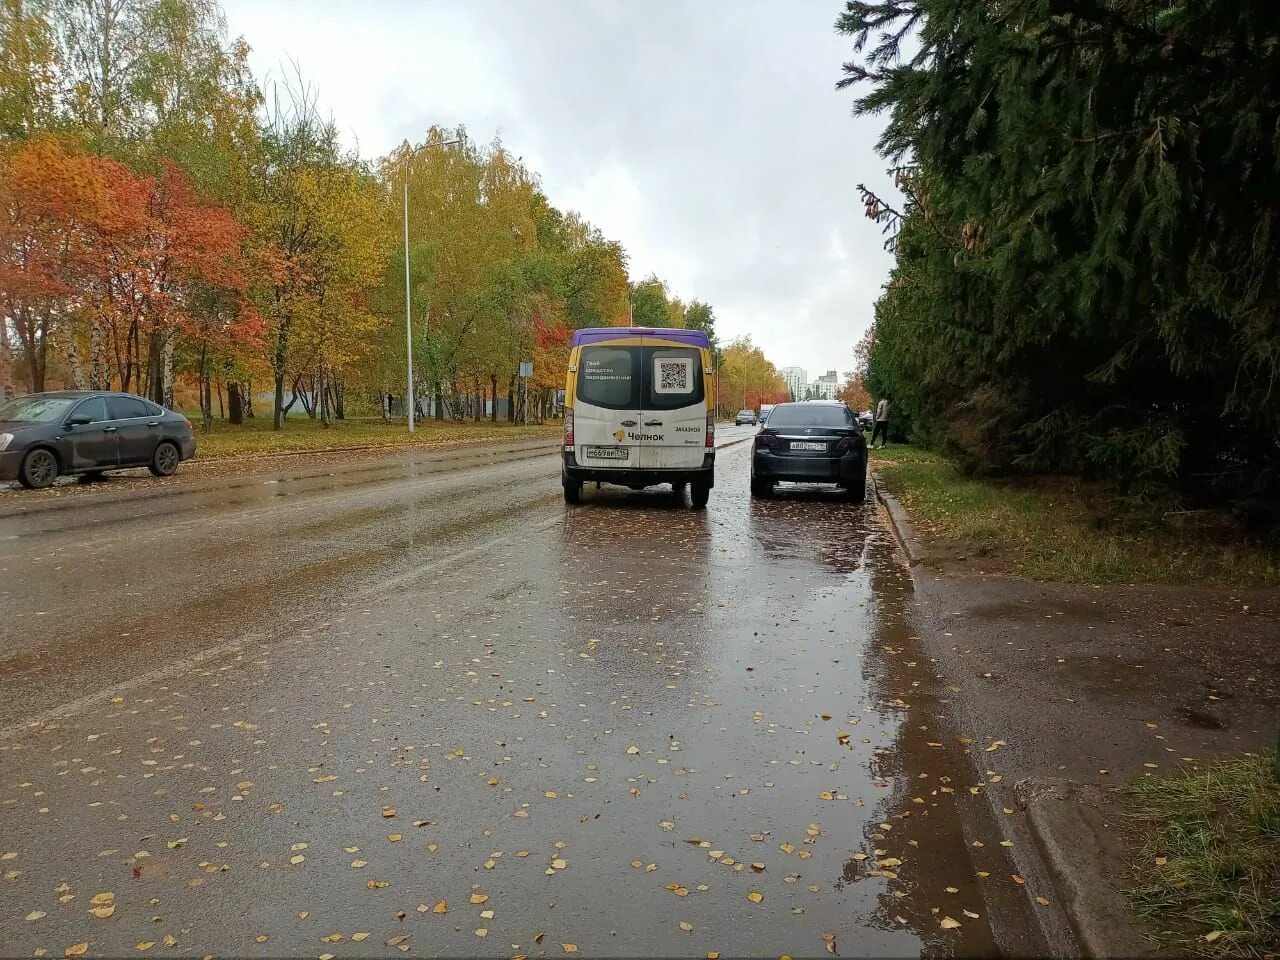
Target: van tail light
<point>568,426</point>
<point>711,430</point>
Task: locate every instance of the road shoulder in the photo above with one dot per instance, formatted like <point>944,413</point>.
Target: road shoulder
<point>1085,688</point>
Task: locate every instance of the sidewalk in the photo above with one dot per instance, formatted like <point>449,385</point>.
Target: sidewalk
<point>1063,691</point>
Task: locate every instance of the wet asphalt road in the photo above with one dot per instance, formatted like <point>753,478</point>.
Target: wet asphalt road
<point>417,705</point>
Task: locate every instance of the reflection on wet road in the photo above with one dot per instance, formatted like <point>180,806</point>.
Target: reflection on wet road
<point>496,727</point>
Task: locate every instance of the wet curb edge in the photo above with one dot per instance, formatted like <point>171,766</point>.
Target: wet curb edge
<point>898,519</point>
<point>1067,820</point>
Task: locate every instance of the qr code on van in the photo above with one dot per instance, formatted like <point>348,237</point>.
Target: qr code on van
<point>673,375</point>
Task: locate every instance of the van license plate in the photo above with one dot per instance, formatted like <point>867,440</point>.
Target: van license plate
<point>803,445</point>
<point>609,453</point>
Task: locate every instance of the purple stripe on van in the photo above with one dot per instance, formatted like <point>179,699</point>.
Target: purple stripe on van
<point>695,338</point>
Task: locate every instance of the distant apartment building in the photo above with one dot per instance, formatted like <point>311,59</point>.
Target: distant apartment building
<point>825,387</point>
<point>797,381</point>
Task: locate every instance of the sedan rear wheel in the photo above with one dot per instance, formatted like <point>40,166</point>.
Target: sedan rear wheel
<point>39,469</point>
<point>760,489</point>
<point>164,462</point>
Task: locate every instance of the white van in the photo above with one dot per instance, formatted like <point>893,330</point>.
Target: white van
<point>639,411</point>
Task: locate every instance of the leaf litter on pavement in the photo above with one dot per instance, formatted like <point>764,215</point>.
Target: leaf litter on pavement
<point>627,761</point>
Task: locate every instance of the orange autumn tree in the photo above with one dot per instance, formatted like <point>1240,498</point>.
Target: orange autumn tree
<point>132,265</point>
<point>52,201</point>
<point>163,254</point>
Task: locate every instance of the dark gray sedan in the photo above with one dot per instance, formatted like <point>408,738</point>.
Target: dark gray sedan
<point>813,441</point>
<point>88,432</point>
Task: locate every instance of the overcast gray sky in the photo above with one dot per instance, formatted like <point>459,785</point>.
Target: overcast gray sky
<point>705,135</point>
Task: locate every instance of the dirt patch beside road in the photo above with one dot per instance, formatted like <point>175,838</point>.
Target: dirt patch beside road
<point>1080,689</point>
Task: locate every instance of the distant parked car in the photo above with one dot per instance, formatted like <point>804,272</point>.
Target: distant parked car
<point>745,417</point>
<point>87,432</point>
<point>765,409</point>
<point>865,420</point>
<point>813,441</point>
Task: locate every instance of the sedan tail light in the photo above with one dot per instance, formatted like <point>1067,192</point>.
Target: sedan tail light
<point>568,426</point>
<point>764,439</point>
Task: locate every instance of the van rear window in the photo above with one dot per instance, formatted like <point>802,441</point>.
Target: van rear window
<point>606,376</point>
<point>641,378</point>
<point>674,378</point>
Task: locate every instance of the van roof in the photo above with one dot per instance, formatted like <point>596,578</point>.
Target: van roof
<point>695,338</point>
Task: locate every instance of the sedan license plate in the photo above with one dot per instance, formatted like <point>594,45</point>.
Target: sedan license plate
<point>805,445</point>
<point>609,453</point>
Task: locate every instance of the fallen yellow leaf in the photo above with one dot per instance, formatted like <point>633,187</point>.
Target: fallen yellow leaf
<point>569,947</point>
<point>144,945</point>
<point>361,936</point>
<point>755,896</point>
<point>100,898</point>
<point>388,811</point>
<point>479,897</point>
<point>77,949</point>
<point>440,907</point>
<point>103,912</point>
<point>947,923</point>
<point>36,914</point>
<point>686,926</point>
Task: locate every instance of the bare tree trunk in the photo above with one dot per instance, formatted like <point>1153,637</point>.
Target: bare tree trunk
<point>222,413</point>
<point>339,398</point>
<point>493,392</point>
<point>96,380</point>
<point>323,397</point>
<point>235,409</point>
<point>166,374</point>
<point>439,402</point>
<point>6,362</point>
<point>246,398</point>
<point>75,369</point>
<point>384,400</point>
<point>206,400</point>
<point>511,401</point>
<point>280,408</point>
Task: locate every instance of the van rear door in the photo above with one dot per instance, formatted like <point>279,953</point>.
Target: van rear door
<point>606,407</point>
<point>673,407</point>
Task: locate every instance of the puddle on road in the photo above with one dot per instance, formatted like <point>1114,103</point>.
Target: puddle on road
<point>643,731</point>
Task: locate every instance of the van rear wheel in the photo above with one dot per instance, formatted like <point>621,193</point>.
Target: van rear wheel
<point>699,494</point>
<point>572,490</point>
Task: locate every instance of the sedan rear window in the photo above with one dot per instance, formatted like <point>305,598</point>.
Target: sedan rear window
<point>810,415</point>
<point>126,408</point>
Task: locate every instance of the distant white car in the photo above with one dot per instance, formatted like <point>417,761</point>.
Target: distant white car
<point>745,417</point>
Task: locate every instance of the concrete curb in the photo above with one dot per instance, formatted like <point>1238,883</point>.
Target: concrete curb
<point>898,519</point>
<point>1069,821</point>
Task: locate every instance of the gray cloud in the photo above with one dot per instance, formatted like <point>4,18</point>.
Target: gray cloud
<point>706,136</point>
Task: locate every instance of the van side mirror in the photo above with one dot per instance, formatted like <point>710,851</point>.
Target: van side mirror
<point>79,420</point>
